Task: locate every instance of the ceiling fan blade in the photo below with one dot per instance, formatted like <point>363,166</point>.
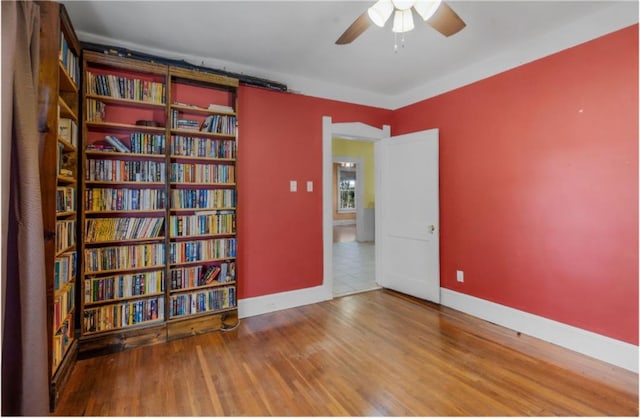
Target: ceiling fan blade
<point>355,30</point>
<point>446,21</point>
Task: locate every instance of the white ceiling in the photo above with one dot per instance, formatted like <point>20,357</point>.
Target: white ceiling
<point>289,41</point>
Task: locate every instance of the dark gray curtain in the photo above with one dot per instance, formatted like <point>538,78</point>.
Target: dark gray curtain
<point>25,376</point>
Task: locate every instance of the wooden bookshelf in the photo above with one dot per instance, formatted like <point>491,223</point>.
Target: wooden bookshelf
<point>202,216</point>
<point>124,197</point>
<point>156,169</point>
<point>59,121</point>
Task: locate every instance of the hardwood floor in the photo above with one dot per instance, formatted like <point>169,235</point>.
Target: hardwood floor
<point>377,353</point>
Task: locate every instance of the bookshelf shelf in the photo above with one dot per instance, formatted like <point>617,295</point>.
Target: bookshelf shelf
<point>198,110</point>
<point>214,284</point>
<point>200,262</point>
<point>109,100</point>
<point>67,316</point>
<point>66,250</point>
<point>134,326</point>
<point>177,317</point>
<point>66,83</point>
<point>125,270</point>
<point>206,159</point>
<point>202,236</point>
<point>113,182</point>
<point>129,298</point>
<point>203,184</point>
<point>120,127</point>
<point>99,153</point>
<point>128,172</point>
<point>64,289</point>
<point>65,110</point>
<point>66,180</point>
<point>197,133</point>
<point>192,210</point>
<point>126,212</point>
<point>65,214</point>
<point>124,241</point>
<point>67,146</point>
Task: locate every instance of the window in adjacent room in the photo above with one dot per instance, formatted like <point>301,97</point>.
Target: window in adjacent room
<point>347,187</point>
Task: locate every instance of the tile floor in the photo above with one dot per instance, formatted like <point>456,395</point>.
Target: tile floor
<point>353,265</point>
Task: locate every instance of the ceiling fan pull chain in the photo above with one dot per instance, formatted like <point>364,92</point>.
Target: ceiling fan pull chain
<point>395,42</point>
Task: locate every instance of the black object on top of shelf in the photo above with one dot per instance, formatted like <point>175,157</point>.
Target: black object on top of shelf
<point>127,53</point>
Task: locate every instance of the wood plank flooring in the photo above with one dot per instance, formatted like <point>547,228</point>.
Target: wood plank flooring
<point>376,353</point>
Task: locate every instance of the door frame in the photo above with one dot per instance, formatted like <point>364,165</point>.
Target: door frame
<point>357,131</point>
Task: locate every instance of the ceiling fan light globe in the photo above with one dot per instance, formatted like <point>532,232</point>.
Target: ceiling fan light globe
<point>403,4</point>
<point>380,12</point>
<point>426,8</point>
<point>403,21</point>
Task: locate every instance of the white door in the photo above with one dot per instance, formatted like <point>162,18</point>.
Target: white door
<point>407,214</point>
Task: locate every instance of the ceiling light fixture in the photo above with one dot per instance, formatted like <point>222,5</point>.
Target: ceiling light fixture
<point>381,11</point>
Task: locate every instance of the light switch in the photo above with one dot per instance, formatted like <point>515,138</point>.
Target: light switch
<point>309,186</point>
<point>293,186</point>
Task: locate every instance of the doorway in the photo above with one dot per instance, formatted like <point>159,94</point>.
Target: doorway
<point>349,206</point>
<point>353,249</point>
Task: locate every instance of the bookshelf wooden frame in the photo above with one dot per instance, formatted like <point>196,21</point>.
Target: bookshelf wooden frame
<point>59,123</point>
<point>221,147</point>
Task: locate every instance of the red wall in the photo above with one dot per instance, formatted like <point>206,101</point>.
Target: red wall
<point>539,185</point>
<point>280,232</point>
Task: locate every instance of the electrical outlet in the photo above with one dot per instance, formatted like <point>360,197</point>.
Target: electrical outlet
<point>460,276</point>
<point>293,186</point>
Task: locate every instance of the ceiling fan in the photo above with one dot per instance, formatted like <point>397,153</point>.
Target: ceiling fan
<point>436,13</point>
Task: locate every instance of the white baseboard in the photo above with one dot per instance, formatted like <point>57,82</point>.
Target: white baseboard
<point>347,222</point>
<point>612,351</point>
<point>254,306</point>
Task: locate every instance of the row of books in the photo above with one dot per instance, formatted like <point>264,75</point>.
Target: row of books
<point>61,341</point>
<point>125,228</point>
<point>202,147</point>
<point>69,60</point>
<point>183,123</point>
<point>125,88</point>
<point>212,299</point>
<point>65,198</point>
<point>210,222</point>
<point>125,170</point>
<point>65,234</point>
<point>124,199</point>
<point>116,316</point>
<point>64,269</point>
<point>138,143</point>
<point>219,124</point>
<point>123,286</point>
<point>65,162</point>
<point>96,111</point>
<point>203,198</point>
<point>202,250</point>
<point>62,305</point>
<point>143,143</point>
<point>124,257</point>
<point>202,173</point>
<point>195,276</point>
<point>68,131</point>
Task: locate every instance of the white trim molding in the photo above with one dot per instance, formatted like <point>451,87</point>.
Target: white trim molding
<point>254,306</point>
<point>603,348</point>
